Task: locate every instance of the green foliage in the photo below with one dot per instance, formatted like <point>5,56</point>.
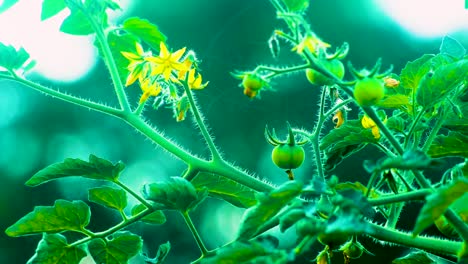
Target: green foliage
<point>268,206</point>
<point>438,202</point>
<point>62,216</point>
<point>174,194</point>
<point>225,189</point>
<point>163,251</point>
<point>156,218</point>
<point>452,47</point>
<point>145,31</point>
<point>13,59</point>
<point>7,4</point>
<point>440,82</point>
<point>417,257</point>
<point>410,160</point>
<point>51,8</point>
<point>77,23</point>
<point>54,249</point>
<point>117,250</point>
<point>108,197</point>
<point>256,251</point>
<point>96,168</point>
<point>452,145</point>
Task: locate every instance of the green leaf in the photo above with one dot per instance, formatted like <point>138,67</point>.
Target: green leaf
<point>109,197</point>
<point>458,122</point>
<point>246,252</point>
<point>438,202</point>
<point>119,43</point>
<point>296,5</point>
<point>421,257</point>
<point>62,216</point>
<point>410,160</point>
<point>144,30</point>
<point>269,205</point>
<point>96,168</point>
<point>7,4</point>
<point>344,141</point>
<point>161,255</point>
<point>155,218</point>
<point>224,188</point>
<point>118,250</point>
<point>77,23</point>
<point>455,144</point>
<point>54,249</point>
<point>414,71</point>
<point>437,85</point>
<point>174,194</point>
<point>452,47</point>
<point>51,8</point>
<point>14,59</point>
<point>399,101</point>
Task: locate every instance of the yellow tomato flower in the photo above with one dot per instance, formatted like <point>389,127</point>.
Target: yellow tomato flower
<point>391,82</point>
<point>136,66</point>
<point>195,82</point>
<point>367,122</point>
<point>149,88</point>
<point>311,43</point>
<point>167,62</point>
<point>338,118</point>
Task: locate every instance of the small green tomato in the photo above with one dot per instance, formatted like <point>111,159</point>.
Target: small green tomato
<point>252,83</point>
<point>334,66</point>
<point>369,91</point>
<point>288,157</point>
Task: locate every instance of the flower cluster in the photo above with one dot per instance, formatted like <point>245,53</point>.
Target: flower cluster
<point>164,75</point>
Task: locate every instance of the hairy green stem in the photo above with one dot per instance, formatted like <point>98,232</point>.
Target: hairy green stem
<point>418,195</point>
<point>195,233</point>
<point>276,71</point>
<point>315,137</point>
<point>435,130</point>
<point>111,65</point>
<point>425,243</point>
<point>201,124</point>
<point>64,97</point>
<point>413,126</point>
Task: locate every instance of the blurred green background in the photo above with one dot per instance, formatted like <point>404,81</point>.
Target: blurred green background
<point>227,35</point>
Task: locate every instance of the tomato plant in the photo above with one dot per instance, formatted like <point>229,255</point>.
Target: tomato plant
<point>335,67</point>
<point>369,91</point>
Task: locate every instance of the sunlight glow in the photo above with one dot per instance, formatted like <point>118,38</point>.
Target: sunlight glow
<point>58,56</point>
<point>427,18</point>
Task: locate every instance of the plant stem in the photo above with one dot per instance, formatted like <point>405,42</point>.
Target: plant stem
<point>435,130</point>
<point>65,97</point>
<point>111,65</point>
<point>418,195</point>
<point>425,243</point>
<point>195,234</point>
<point>133,193</point>
<point>201,124</point>
<point>276,71</point>
<point>413,126</point>
<point>115,228</point>
<point>315,137</point>
<point>144,128</point>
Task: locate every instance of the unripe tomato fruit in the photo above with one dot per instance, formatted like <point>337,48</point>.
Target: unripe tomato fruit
<point>288,157</point>
<point>334,66</point>
<point>369,91</point>
<point>252,84</point>
<point>333,240</point>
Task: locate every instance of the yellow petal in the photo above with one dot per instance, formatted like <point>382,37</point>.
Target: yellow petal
<point>376,132</point>
<point>178,54</point>
<point>139,49</point>
<point>130,56</point>
<point>367,122</point>
<point>163,52</point>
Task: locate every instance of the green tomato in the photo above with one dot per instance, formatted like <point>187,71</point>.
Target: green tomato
<point>334,66</point>
<point>252,83</point>
<point>333,240</point>
<point>288,157</point>
<point>369,91</point>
